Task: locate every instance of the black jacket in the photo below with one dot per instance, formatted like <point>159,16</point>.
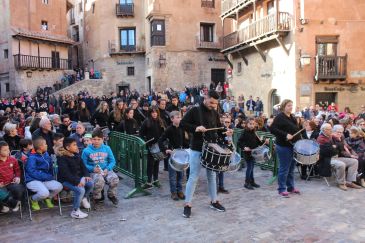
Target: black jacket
<point>100,118</point>
<point>140,115</point>
<point>129,126</point>
<point>282,126</point>
<point>70,168</point>
<point>64,130</point>
<point>327,149</point>
<point>176,138</point>
<point>201,116</point>
<point>151,129</point>
<point>47,136</point>
<point>13,142</point>
<point>249,139</point>
<point>165,116</point>
<point>313,136</point>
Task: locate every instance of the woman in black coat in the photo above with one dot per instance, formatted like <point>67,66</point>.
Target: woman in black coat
<point>101,115</point>
<point>128,125</point>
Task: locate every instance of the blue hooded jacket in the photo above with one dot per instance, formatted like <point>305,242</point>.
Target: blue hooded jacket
<point>39,167</point>
<point>102,156</point>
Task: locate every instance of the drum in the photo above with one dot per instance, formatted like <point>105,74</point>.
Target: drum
<point>179,159</point>
<point>215,157</point>
<point>156,153</point>
<point>261,154</point>
<point>306,151</point>
<point>235,162</point>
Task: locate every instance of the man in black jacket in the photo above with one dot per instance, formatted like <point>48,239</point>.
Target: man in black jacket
<point>197,121</point>
<point>45,131</point>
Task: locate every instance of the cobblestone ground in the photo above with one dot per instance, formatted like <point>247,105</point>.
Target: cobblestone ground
<point>320,214</point>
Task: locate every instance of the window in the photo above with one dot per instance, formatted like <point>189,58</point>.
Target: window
<point>44,25</point>
<point>125,1</point>
<point>45,1</point>
<point>128,39</point>
<point>158,32</point>
<point>130,71</point>
<point>326,45</point>
<point>7,87</point>
<point>239,67</point>
<point>55,59</point>
<point>207,3</point>
<point>206,32</point>
<point>6,53</point>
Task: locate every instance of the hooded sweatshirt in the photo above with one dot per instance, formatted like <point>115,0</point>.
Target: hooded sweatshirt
<point>102,156</point>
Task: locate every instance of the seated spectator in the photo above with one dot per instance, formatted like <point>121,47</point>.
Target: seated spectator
<point>330,149</point>
<point>45,131</point>
<point>26,146</point>
<point>55,120</point>
<point>57,142</point>
<point>99,160</point>
<point>356,142</point>
<point>11,136</point>
<point>65,127</point>
<point>39,175</point>
<point>11,191</point>
<point>87,140</point>
<point>80,132</point>
<point>73,174</point>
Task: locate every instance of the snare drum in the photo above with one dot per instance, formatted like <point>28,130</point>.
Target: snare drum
<point>156,153</point>
<point>261,154</point>
<point>235,162</point>
<point>306,151</point>
<point>179,159</point>
<point>215,157</point>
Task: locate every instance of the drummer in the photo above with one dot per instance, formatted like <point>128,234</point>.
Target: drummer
<point>175,136</point>
<point>284,127</point>
<point>196,121</point>
<point>248,141</point>
<point>310,132</point>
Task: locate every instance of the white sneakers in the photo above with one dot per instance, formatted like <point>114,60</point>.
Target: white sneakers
<point>4,209</point>
<point>85,203</point>
<point>17,207</point>
<point>78,214</point>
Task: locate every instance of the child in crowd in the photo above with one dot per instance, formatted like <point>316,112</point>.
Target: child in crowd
<point>26,146</point>
<point>99,160</point>
<point>73,174</point>
<point>87,139</point>
<point>248,141</point>
<point>11,191</point>
<point>39,175</point>
<point>176,140</point>
<point>57,142</point>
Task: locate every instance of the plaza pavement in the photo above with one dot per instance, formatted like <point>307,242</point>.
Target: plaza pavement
<point>320,214</point>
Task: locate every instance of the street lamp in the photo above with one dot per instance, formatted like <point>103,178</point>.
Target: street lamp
<point>305,59</point>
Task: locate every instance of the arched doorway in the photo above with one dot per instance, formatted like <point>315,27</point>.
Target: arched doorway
<point>274,99</point>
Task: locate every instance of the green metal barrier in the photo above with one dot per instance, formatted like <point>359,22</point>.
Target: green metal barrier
<point>273,163</point>
<point>130,153</point>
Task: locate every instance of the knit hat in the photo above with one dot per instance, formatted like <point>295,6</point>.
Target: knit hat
<point>87,135</point>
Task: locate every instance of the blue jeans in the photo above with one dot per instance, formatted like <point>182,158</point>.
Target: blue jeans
<point>79,192</point>
<point>175,178</point>
<point>220,179</point>
<point>194,175</point>
<point>249,170</point>
<point>286,168</point>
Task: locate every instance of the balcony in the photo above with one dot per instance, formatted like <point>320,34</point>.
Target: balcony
<point>116,49</point>
<point>216,45</point>
<point>264,29</point>
<point>229,7</point>
<point>207,3</point>
<point>331,68</point>
<point>124,10</point>
<point>35,62</point>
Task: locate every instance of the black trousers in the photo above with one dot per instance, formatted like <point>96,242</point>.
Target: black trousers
<point>152,168</point>
<point>16,192</point>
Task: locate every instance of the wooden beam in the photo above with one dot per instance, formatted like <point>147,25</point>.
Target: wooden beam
<point>279,40</point>
<point>243,58</point>
<point>229,62</point>
<point>262,54</point>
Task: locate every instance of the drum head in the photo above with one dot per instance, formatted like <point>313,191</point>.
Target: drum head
<point>235,162</point>
<point>306,147</point>
<point>180,156</point>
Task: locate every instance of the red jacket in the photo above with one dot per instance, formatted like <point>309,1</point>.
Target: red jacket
<point>9,169</point>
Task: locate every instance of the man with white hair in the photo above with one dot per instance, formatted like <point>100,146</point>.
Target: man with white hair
<point>331,148</point>
<point>45,131</point>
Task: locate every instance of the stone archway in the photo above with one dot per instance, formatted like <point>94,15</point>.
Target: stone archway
<point>273,99</point>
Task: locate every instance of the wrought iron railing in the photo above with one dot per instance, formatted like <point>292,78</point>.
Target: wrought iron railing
<point>208,3</point>
<point>35,62</point>
<point>125,9</point>
<point>331,67</point>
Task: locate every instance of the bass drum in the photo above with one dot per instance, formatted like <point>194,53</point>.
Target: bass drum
<point>179,160</point>
<point>215,157</point>
<point>306,151</point>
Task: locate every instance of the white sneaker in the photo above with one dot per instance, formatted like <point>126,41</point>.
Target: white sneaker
<point>17,207</point>
<point>4,209</point>
<point>85,203</point>
<point>78,214</point>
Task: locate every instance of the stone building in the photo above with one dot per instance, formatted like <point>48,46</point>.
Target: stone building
<point>309,51</point>
<point>33,44</point>
<point>154,44</point>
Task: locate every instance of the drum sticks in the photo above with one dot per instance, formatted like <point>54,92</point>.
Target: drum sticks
<point>212,129</point>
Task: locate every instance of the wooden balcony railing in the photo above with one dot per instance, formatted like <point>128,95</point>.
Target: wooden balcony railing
<point>230,4</point>
<point>270,24</point>
<point>208,3</point>
<point>35,62</point>
<point>331,67</point>
<point>124,10</point>
<point>200,44</point>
